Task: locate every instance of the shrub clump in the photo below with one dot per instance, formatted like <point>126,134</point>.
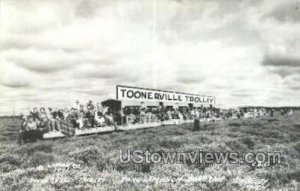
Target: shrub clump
<point>9,162</point>
<point>249,142</point>
<point>44,147</point>
<point>237,145</point>
<point>88,156</point>
<point>297,147</point>
<point>235,124</point>
<point>172,144</point>
<point>41,158</point>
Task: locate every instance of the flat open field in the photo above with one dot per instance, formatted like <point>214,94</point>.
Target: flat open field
<point>95,158</point>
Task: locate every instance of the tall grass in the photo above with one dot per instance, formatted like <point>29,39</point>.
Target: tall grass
<point>98,157</point>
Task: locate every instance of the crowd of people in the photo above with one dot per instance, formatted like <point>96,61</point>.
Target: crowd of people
<point>92,115</point>
<point>79,115</point>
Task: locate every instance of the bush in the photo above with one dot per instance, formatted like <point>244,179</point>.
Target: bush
<point>297,147</point>
<point>143,167</point>
<point>44,147</point>
<point>89,155</point>
<point>171,144</point>
<point>9,162</point>
<point>237,145</point>
<point>248,141</point>
<point>235,124</point>
<point>297,125</point>
<point>41,158</point>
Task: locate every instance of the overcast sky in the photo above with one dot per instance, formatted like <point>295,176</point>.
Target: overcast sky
<point>244,52</point>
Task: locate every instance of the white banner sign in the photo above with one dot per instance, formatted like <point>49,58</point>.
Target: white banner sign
<point>141,94</point>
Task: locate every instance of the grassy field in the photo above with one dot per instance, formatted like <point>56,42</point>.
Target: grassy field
<point>95,158</point>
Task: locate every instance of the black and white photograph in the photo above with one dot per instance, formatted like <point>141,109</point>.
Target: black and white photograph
<point>199,95</point>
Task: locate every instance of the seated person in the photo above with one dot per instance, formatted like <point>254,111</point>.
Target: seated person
<point>131,118</point>
<point>60,114</point>
<point>99,119</point>
<point>83,114</point>
<point>175,114</point>
<point>55,120</point>
<point>149,116</point>
<point>79,118</point>
<point>109,119</point>
<point>35,114</point>
<point>76,105</point>
<point>31,124</point>
<point>143,115</point>
<point>29,130</point>
<point>44,120</point>
<point>73,117</point>
<point>99,107</point>
<point>66,113</point>
<point>180,116</point>
<point>169,115</point>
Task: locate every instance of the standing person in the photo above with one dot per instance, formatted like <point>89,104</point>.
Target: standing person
<point>22,130</point>
<point>180,116</point>
<point>169,114</point>
<point>193,113</point>
<point>123,117</point>
<point>77,105</point>
<point>161,111</point>
<point>51,119</point>
<point>142,115</point>
<point>196,120</point>
<point>91,113</point>
<point>272,112</point>
<point>99,107</point>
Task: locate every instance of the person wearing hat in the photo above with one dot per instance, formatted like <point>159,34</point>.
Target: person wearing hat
<point>91,113</point>
<point>44,124</point>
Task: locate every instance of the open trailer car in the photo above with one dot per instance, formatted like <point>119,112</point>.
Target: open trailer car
<point>126,118</point>
<point>67,130</point>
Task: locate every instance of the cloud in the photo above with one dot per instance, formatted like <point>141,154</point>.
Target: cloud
<point>98,92</point>
<point>287,11</point>
<point>45,61</point>
<point>21,42</point>
<point>15,83</point>
<point>14,77</point>
<point>281,60</point>
<point>285,71</point>
<point>87,71</point>
<point>281,64</point>
<point>189,79</point>
<point>292,82</point>
<point>81,49</point>
<point>241,94</point>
